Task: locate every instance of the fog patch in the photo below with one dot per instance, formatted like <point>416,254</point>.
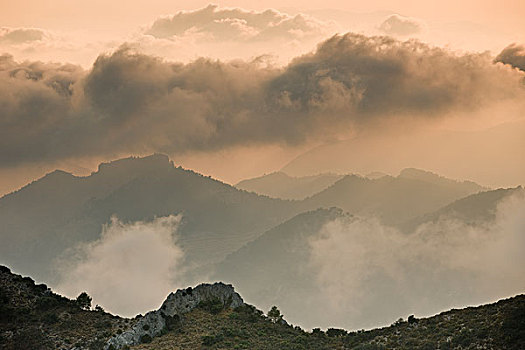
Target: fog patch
<point>130,269</point>
<point>369,274</point>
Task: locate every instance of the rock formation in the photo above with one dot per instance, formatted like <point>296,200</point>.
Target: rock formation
<point>175,305</point>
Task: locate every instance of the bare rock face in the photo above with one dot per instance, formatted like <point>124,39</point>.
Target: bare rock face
<point>176,304</point>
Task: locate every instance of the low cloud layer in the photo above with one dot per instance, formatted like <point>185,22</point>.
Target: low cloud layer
<point>134,103</point>
<point>130,269</point>
<point>399,25</point>
<point>368,273</point>
<point>513,55</point>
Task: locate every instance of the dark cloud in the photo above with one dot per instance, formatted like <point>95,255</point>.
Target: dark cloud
<point>514,55</point>
<point>378,76</point>
<point>399,25</point>
<point>134,103</point>
<point>236,24</point>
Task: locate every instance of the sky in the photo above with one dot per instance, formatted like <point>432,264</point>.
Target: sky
<point>237,89</point>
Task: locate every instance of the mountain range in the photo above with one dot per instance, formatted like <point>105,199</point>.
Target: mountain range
<point>58,212</point>
<point>281,185</point>
<point>267,247</point>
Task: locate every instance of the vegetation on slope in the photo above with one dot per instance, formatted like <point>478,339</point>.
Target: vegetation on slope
<point>496,326</point>
<point>32,317</point>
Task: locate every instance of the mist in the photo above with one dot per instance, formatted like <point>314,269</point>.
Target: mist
<point>370,275</point>
<point>129,270</point>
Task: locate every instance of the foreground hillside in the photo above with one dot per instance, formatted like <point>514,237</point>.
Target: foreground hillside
<point>32,317</point>
<point>215,317</point>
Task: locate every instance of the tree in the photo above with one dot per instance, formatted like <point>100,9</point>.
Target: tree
<point>84,301</point>
<point>275,315</point>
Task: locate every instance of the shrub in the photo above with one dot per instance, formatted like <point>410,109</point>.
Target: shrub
<point>84,301</point>
<point>274,314</point>
<point>46,303</point>
<point>412,319</point>
<point>213,305</point>
<point>146,338</point>
<point>171,322</point>
<point>317,331</point>
<point>209,340</point>
<point>50,318</point>
<point>336,332</point>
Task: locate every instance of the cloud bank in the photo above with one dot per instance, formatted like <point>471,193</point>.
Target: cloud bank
<point>130,269</point>
<point>130,102</point>
<point>371,272</point>
<point>215,23</point>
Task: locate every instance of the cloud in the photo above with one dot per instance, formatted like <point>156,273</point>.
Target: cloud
<point>36,44</point>
<point>399,25</point>
<point>130,269</point>
<point>215,23</point>
<point>21,35</point>
<point>130,102</point>
<point>374,273</point>
<point>233,33</point>
<point>513,55</point>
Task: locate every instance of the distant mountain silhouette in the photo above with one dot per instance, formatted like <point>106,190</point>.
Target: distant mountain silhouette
<point>393,199</point>
<point>476,209</point>
<point>49,217</point>
<point>467,154</point>
<point>273,268</point>
<point>281,185</point>
<point>55,213</point>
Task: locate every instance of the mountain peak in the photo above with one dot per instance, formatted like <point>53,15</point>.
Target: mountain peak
<point>136,164</point>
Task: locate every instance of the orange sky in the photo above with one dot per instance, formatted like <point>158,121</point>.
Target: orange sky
<point>84,29</point>
<point>111,14</point>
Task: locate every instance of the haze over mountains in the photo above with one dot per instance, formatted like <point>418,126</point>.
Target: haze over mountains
<point>490,156</point>
<point>59,211</point>
<point>281,185</point>
<point>180,228</point>
<point>373,271</point>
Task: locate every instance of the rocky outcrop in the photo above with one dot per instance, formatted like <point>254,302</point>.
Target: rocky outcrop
<point>175,305</point>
